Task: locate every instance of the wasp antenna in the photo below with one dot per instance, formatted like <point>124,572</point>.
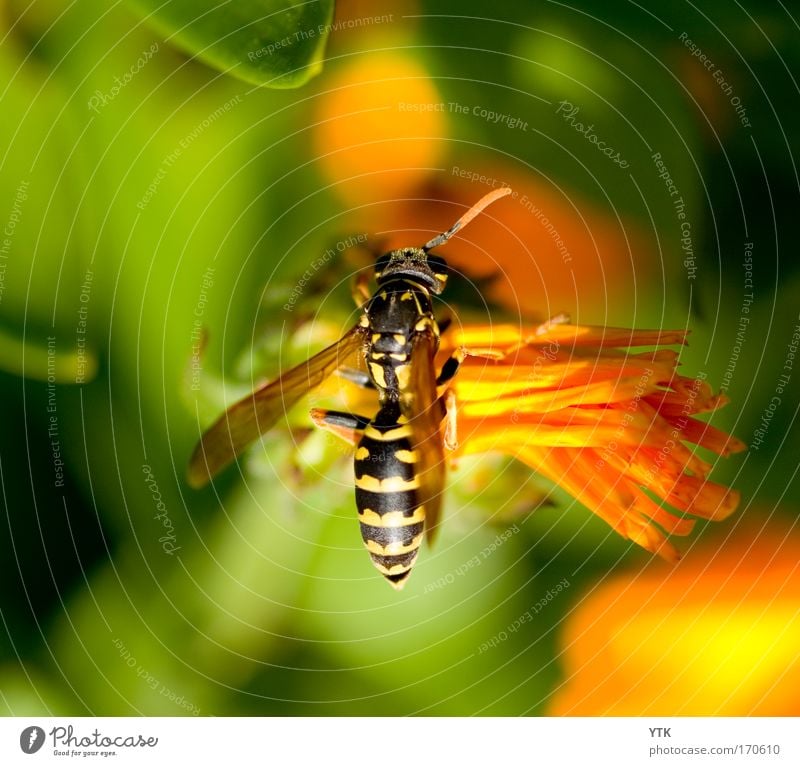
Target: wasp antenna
<point>478,207</point>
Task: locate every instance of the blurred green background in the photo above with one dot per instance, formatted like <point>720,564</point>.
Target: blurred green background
<point>147,196</point>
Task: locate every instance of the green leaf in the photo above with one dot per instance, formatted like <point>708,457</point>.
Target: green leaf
<point>31,359</point>
<point>275,43</point>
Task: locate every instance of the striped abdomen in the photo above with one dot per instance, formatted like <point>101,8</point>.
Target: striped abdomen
<point>387,495</point>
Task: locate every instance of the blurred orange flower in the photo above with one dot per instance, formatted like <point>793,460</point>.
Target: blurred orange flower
<point>543,251</point>
<point>716,635</point>
<point>609,425</point>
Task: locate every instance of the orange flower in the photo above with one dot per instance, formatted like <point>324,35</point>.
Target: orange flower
<point>611,426</point>
<point>715,635</point>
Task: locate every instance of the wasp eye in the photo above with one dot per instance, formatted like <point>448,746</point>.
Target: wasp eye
<point>438,265</point>
<point>382,263</point>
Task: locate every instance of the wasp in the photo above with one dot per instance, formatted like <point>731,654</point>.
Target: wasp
<point>399,457</point>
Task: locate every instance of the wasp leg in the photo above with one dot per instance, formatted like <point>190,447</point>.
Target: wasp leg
<point>359,377</point>
<point>542,329</point>
<point>448,399</point>
<point>359,288</point>
<point>450,367</point>
<point>344,424</point>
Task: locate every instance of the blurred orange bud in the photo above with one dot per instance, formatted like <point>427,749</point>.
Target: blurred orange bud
<point>380,128</point>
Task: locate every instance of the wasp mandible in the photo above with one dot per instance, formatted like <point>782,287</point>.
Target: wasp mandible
<point>399,453</point>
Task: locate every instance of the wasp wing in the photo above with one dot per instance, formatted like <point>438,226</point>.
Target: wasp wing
<point>254,415</point>
<point>424,411</point>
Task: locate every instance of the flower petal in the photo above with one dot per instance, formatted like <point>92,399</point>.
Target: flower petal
<point>608,425</point>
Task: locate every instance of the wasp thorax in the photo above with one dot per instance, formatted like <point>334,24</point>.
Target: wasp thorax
<point>415,264</point>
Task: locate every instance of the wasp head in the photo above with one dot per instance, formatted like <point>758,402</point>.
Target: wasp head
<point>415,264</point>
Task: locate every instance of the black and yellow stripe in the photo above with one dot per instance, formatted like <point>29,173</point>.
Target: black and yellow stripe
<point>391,517</point>
<point>401,309</point>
